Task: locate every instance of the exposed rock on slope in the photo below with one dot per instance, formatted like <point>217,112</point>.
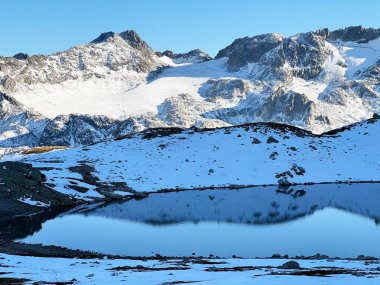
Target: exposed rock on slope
<point>19,125</point>
<point>181,110</point>
<point>76,130</point>
<point>22,191</point>
<point>231,89</point>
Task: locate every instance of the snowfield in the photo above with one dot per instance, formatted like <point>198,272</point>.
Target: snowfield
<point>255,154</point>
<point>121,94</point>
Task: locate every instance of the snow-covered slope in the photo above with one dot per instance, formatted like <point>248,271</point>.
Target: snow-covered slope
<point>317,81</point>
<point>253,154</point>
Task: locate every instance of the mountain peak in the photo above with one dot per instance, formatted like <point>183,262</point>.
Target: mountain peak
<point>129,36</point>
<point>103,37</point>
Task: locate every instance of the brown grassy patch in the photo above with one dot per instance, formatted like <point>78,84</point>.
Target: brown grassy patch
<point>42,149</point>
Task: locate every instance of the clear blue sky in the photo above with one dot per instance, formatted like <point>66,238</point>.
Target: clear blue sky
<point>46,26</point>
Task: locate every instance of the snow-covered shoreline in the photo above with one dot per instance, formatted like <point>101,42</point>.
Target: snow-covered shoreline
<point>176,271</point>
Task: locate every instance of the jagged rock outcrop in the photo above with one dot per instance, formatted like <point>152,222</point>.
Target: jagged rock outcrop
<point>193,56</point>
<point>357,34</point>
<point>21,56</point>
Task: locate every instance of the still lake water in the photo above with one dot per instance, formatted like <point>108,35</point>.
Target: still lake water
<point>337,220</point>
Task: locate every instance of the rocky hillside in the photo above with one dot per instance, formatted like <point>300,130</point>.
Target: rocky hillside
<point>117,84</point>
<point>252,154</point>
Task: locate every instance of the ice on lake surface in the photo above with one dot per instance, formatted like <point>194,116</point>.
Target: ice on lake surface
<point>334,219</point>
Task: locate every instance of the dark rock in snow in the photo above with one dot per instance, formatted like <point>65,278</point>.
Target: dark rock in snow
<point>290,265</point>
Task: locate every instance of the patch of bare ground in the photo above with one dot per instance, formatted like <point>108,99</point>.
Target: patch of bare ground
<point>13,281</point>
<point>141,268</point>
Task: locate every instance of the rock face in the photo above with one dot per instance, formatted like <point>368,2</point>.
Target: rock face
<point>232,89</point>
<point>290,105</point>
<point>76,130</point>
<point>300,56</point>
<point>181,110</point>
<point>305,54</point>
<point>248,50</point>
<point>117,85</point>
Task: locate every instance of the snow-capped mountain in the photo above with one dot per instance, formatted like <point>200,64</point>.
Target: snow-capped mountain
<point>124,57</point>
<point>251,154</point>
<point>117,84</point>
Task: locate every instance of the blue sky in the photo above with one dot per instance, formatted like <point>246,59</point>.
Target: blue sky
<point>46,26</point>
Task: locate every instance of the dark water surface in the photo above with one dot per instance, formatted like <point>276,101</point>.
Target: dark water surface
<point>337,220</point>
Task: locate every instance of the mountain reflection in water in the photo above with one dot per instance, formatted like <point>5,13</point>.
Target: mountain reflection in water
<point>334,219</point>
<point>260,205</point>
